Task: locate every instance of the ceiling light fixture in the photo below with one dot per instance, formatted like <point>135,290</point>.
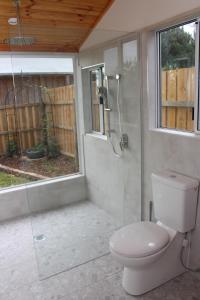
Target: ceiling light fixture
<point>12,21</point>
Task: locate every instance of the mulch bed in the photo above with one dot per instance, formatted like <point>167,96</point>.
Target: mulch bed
<point>53,167</point>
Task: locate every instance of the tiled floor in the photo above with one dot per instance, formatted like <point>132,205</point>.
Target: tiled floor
<point>26,275</point>
<point>73,235</point>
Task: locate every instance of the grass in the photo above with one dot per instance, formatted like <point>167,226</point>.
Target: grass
<point>9,179</point>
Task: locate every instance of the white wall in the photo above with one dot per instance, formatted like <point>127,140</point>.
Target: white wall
<point>164,149</point>
<point>34,64</point>
<point>133,15</point>
<point>161,150</point>
<point>115,183</point>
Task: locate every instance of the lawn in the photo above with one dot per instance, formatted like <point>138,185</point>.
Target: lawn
<point>59,166</point>
<point>9,180</point>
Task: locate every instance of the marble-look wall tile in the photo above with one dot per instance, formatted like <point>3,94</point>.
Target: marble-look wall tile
<point>24,200</point>
<point>115,183</point>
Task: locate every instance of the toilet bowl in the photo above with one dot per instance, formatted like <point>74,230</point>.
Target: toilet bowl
<point>146,250</point>
<point>150,252</point>
<point>141,243</point>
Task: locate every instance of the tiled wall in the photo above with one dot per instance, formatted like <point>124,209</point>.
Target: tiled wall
<point>19,201</point>
<point>176,152</point>
<point>115,183</point>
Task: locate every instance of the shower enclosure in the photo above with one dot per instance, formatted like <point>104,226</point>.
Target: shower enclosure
<point>71,235</point>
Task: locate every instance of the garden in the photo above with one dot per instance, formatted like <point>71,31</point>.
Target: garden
<point>37,134</point>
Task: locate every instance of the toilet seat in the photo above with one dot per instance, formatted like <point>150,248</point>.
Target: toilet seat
<point>139,240</point>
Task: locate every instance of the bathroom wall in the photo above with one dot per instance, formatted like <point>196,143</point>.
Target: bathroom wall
<point>18,201</point>
<point>160,150</point>
<point>115,183</point>
<point>164,149</point>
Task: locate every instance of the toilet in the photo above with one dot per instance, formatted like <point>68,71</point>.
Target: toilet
<point>150,252</point>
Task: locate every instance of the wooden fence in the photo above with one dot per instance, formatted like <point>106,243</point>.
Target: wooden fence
<point>178,94</point>
<point>23,122</point>
<point>62,109</point>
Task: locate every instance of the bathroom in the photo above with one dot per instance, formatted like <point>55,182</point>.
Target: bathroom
<point>55,233</point>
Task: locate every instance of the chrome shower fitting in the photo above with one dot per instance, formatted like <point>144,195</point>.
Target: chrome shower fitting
<point>16,2</point>
<point>111,77</point>
<point>117,76</point>
<point>124,141</point>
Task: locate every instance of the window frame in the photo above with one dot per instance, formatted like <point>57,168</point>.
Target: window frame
<point>158,108</point>
<point>101,106</point>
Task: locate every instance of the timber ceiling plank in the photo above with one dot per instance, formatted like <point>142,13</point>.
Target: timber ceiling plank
<point>55,25</point>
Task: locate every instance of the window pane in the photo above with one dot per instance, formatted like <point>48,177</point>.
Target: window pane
<point>37,119</point>
<point>177,76</point>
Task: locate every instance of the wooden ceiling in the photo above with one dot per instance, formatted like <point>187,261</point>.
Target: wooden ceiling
<point>55,25</point>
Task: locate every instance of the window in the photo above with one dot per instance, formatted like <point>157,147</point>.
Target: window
<point>97,99</point>
<point>38,137</point>
<point>177,77</point>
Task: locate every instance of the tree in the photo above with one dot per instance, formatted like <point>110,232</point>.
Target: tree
<point>177,49</point>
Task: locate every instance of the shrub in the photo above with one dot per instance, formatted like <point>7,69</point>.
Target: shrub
<point>53,148</point>
<point>12,148</point>
<point>39,147</point>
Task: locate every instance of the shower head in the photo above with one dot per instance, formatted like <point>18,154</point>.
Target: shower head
<point>20,41</point>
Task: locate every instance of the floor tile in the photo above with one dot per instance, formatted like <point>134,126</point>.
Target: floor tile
<point>77,240</point>
<point>73,236</point>
<point>18,275</point>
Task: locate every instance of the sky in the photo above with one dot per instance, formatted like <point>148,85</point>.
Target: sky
<point>190,28</point>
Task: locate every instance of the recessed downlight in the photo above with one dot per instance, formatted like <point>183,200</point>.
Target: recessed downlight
<point>12,21</point>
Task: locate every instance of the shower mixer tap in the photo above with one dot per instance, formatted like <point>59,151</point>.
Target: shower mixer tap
<point>111,77</point>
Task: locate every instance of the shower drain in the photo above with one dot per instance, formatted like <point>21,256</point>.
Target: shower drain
<point>40,237</point>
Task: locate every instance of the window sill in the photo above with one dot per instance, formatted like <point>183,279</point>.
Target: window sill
<point>98,136</point>
<point>176,132</point>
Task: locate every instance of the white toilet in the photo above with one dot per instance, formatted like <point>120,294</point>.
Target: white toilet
<point>150,252</point>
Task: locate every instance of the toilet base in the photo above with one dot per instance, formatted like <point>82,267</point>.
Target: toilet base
<point>137,281</point>
<point>140,282</point>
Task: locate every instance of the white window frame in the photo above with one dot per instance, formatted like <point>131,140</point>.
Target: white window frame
<point>101,106</point>
<point>197,79</point>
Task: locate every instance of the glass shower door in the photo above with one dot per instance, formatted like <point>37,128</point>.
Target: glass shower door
<point>131,111</point>
<point>122,69</point>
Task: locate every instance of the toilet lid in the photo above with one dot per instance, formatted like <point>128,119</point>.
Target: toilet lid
<point>139,239</point>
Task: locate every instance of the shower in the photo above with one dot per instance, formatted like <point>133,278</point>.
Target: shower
<point>18,40</point>
<point>123,142</point>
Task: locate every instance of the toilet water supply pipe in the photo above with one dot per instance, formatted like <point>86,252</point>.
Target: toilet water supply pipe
<point>187,244</point>
<point>117,77</point>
